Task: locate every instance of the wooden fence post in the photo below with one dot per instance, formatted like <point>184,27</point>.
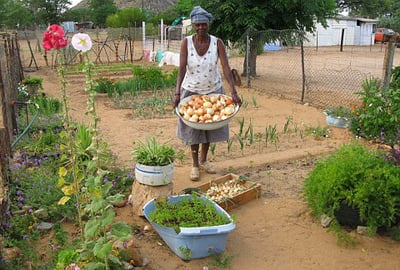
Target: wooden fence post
<point>11,73</point>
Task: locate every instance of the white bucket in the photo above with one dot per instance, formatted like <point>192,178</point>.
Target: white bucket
<point>154,175</point>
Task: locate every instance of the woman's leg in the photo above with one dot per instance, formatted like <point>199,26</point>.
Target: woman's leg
<point>204,164</point>
<point>195,173</point>
<point>195,154</point>
<point>204,152</point>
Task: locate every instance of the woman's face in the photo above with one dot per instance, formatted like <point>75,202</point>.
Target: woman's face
<point>201,28</point>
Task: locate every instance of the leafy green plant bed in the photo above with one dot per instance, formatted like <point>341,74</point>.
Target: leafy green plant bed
<point>192,211</point>
<point>153,153</point>
<point>190,225</point>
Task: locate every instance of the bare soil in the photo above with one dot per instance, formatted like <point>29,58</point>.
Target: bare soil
<point>275,231</point>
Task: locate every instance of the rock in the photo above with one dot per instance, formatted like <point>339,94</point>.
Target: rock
<point>45,226</point>
<point>141,194</point>
<point>26,207</point>
<point>127,266</point>
<point>362,230</point>
<point>325,220</point>
<point>120,203</point>
<point>147,228</point>
<point>41,213</point>
<point>11,253</point>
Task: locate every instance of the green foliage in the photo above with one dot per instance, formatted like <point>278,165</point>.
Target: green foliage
<point>133,93</point>
<point>263,15</point>
<point>367,8</point>
<point>105,85</point>
<point>15,14</point>
<point>395,80</point>
<point>47,106</point>
<point>41,143</point>
<point>191,211</point>
<point>77,15</point>
<point>127,17</point>
<point>378,116</point>
<point>33,80</point>
<point>153,153</point>
<point>100,9</point>
<point>317,132</point>
<point>340,111</point>
<point>359,177</point>
<point>66,257</point>
<point>220,260</point>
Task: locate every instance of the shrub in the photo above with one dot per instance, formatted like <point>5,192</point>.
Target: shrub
<point>360,178</point>
<point>379,113</point>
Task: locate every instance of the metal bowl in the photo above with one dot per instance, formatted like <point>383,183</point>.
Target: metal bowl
<point>205,126</point>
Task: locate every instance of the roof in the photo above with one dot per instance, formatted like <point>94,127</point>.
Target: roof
<point>361,19</point>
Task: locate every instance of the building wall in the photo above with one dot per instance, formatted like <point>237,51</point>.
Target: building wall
<point>353,34</point>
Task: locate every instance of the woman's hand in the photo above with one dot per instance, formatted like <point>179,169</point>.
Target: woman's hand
<point>176,101</point>
<point>236,99</point>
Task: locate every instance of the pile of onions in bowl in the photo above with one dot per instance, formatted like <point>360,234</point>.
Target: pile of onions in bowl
<point>207,109</point>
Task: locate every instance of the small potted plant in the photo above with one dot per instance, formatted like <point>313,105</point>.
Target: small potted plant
<point>154,162</point>
<point>189,224</point>
<point>338,116</point>
<point>356,185</point>
<point>33,84</point>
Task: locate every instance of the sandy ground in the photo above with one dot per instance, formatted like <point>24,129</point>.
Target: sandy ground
<point>275,231</point>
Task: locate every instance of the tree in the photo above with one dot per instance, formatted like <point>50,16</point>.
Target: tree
<point>126,17</point>
<point>77,15</point>
<point>232,18</point>
<point>47,11</point>
<point>17,16</point>
<point>100,9</point>
<point>369,8</point>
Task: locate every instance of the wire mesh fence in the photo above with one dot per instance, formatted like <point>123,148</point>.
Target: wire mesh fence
<point>324,77</point>
<point>321,76</point>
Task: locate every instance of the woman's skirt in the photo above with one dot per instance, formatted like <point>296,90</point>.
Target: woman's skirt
<point>191,136</point>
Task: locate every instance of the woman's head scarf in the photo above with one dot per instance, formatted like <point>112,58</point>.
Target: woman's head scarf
<point>199,15</point>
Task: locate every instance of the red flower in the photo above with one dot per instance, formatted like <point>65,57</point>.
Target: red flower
<point>53,38</point>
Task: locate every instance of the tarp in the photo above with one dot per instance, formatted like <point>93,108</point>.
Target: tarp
<point>178,20</point>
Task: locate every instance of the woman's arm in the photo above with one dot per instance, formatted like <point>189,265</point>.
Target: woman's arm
<point>226,69</point>
<point>181,72</point>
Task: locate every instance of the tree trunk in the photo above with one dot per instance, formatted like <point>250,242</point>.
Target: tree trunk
<point>141,194</point>
<point>252,62</point>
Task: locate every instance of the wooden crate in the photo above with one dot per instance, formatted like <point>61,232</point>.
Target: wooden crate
<point>253,191</point>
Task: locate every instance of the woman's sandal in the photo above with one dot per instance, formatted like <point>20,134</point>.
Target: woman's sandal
<point>208,167</point>
<point>195,174</point>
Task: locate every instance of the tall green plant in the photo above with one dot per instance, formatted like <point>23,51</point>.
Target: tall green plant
<point>378,117</point>
<point>100,232</point>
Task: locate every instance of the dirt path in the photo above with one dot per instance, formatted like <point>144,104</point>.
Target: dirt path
<point>275,231</point>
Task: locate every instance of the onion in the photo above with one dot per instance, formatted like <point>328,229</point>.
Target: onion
<point>207,108</point>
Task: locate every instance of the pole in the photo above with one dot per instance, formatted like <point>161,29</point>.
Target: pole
<point>162,35</point>
<point>388,62</point>
<point>248,61</point>
<point>303,72</point>
<point>144,34</point>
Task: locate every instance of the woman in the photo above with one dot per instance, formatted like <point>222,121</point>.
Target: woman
<point>199,74</point>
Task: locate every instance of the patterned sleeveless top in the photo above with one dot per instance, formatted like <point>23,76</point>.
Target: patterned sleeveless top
<point>202,72</point>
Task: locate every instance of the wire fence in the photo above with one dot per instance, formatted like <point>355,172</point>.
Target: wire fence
<point>321,76</point>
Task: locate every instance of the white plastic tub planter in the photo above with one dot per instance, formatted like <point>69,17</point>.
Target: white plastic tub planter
<point>154,175</point>
<point>194,242</point>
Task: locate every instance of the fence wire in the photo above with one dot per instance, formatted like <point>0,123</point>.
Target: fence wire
<point>331,75</point>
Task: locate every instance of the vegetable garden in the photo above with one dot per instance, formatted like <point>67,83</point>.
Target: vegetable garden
<point>65,172</point>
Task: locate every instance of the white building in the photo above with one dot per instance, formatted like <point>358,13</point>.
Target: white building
<point>353,31</point>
